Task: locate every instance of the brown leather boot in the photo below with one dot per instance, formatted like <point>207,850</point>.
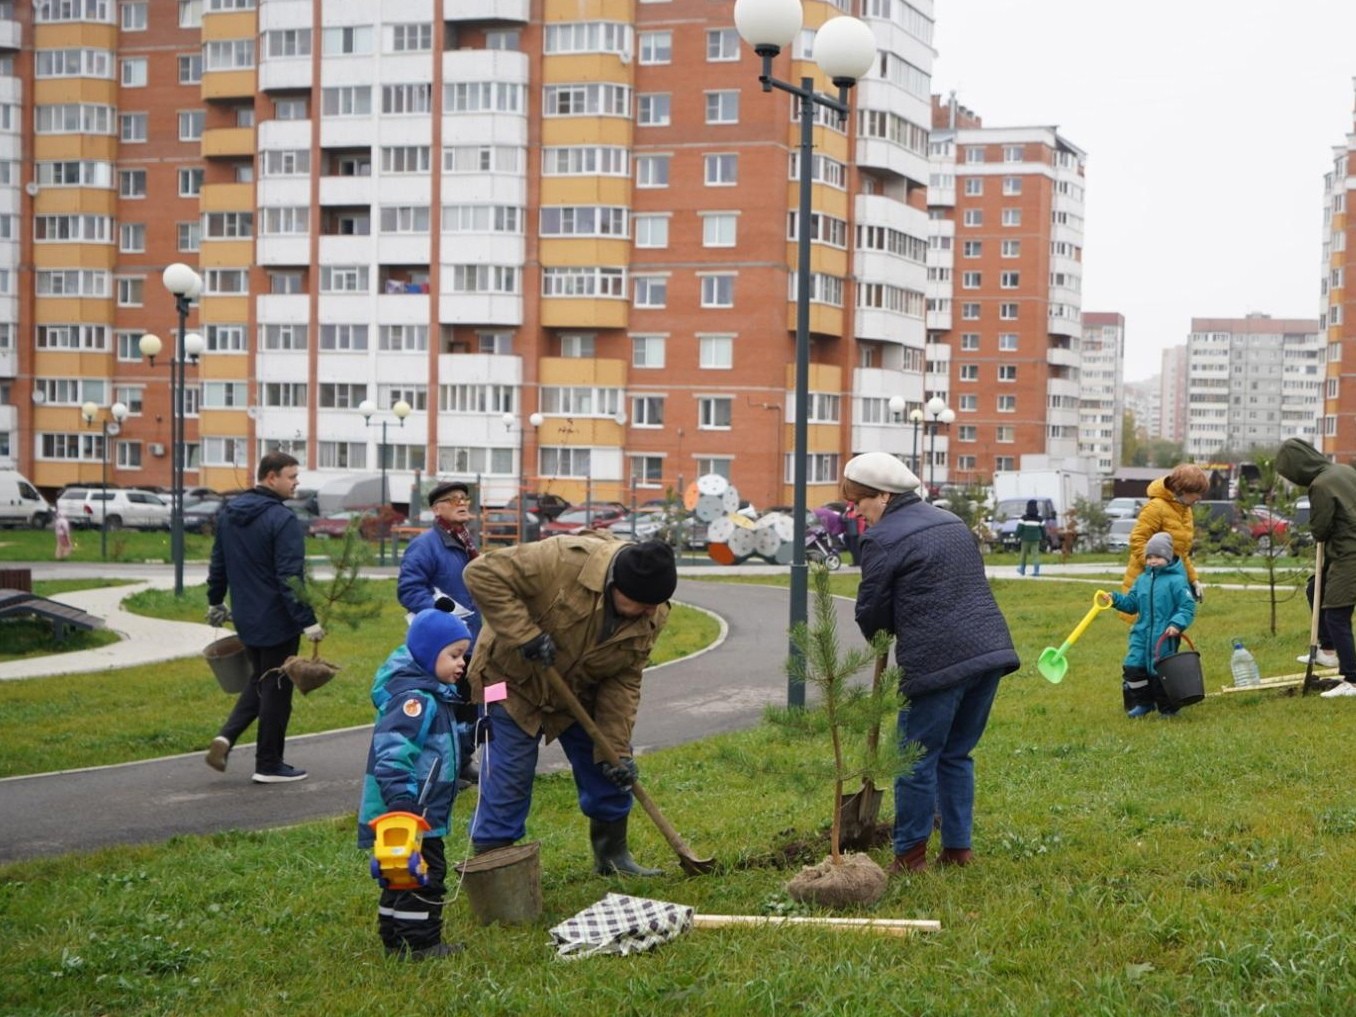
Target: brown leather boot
<point>955,856</point>
<point>915,859</point>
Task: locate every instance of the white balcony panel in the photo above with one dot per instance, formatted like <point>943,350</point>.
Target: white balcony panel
<point>358,69</point>
<point>891,36</point>
<point>9,368</point>
<point>483,189</point>
<point>877,153</point>
<point>485,64</point>
<point>1066,233</point>
<point>406,10</point>
<point>283,192</point>
<point>890,327</point>
<point>479,308</point>
<point>289,250</point>
<point>877,266</point>
<point>284,134</point>
<point>283,308</point>
<point>347,132</point>
<point>403,189</point>
<point>486,10</point>
<point>284,74</point>
<point>11,34</point>
<point>348,425</point>
<point>939,321</point>
<point>348,251</point>
<point>484,129</point>
<point>944,197</point>
<point>280,423</point>
<point>482,249</point>
<point>483,368</point>
<point>1062,357</point>
<point>348,12</point>
<point>346,308</point>
<point>285,14</point>
<point>404,130</point>
<point>874,92</point>
<point>346,190</point>
<point>402,308</point>
<point>1064,387</point>
<point>404,68</point>
<point>880,210</point>
<point>398,249</point>
<point>280,366</point>
<point>11,90</point>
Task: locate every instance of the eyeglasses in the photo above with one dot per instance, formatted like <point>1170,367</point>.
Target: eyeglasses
<point>455,499</point>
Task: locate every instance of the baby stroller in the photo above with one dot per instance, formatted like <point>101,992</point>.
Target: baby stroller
<point>819,549</point>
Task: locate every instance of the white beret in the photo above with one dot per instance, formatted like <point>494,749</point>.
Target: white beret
<point>881,471</point>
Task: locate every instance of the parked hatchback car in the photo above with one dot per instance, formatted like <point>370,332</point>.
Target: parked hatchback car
<point>499,527</point>
<point>1118,538</point>
<point>544,506</point>
<point>90,507</point>
<point>595,514</point>
<point>1124,508</point>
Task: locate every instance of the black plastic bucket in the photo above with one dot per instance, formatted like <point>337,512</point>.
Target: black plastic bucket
<point>1181,674</point>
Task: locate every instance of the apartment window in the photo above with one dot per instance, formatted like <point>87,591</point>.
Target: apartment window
<point>291,109</point>
<point>969,342</point>
<point>132,16</point>
<point>656,47</point>
<point>281,43</point>
<point>722,44</point>
<point>129,290</point>
<point>485,279</point>
<point>336,396</point>
<point>971,280</point>
<point>714,413</point>
<point>722,107</point>
<point>228,225</point>
<point>969,312</point>
<point>348,40</point>
<point>719,465</point>
<point>191,123</point>
<point>647,351</point>
<point>74,118</point>
<point>286,281</point>
<point>508,219</point>
<point>75,337</point>
<point>974,186</point>
<point>283,337</point>
<point>564,462</point>
<point>722,170</point>
<point>347,101</point>
<point>190,182</point>
<point>190,69</point>
<point>973,217</point>
<point>583,281</point>
<point>1012,217</point>
<point>719,229</point>
<point>1013,153</point>
<point>133,72</point>
<point>608,161</point>
<point>578,346</point>
<point>189,236</point>
<point>967,432</point>
<point>969,403</point>
<point>715,352</point>
<point>718,290</point>
<point>482,159</point>
<point>1010,280</point>
<point>1007,342</point>
<point>1007,312</point>
<point>647,471</point>
<point>404,219</point>
<point>403,339</point>
<point>588,37</point>
<point>974,153</point>
<point>972,248</point>
<point>1005,434</point>
<point>132,237</point>
<point>344,279</point>
<point>1007,372</point>
<point>132,183</point>
<point>229,282</point>
<point>969,372</point>
<point>652,230</point>
<point>341,455</point>
<point>73,174</point>
<point>585,100</point>
<point>651,291</point>
<point>652,171</point>
<point>1012,186</point>
<point>343,338</point>
<point>406,159</point>
<point>132,127</point>
<point>228,55</point>
<point>509,39</point>
<point>652,109</point>
<point>1007,404</point>
<point>412,38</point>
<point>286,394</point>
<point>1012,248</point>
<point>398,100</point>
<point>225,395</point>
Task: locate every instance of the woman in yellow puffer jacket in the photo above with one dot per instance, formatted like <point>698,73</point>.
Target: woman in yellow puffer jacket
<point>1169,511</point>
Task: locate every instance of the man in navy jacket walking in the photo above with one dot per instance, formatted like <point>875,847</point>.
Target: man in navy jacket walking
<point>259,550</point>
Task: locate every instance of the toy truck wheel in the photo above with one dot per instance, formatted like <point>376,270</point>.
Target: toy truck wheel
<point>413,864</point>
<point>374,867</point>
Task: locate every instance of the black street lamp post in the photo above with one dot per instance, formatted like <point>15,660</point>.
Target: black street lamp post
<point>401,409</point>
<point>938,414</point>
<point>186,286</point>
<point>110,428</point>
<point>844,49</point>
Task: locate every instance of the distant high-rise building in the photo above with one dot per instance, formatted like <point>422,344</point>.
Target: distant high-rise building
<point>1173,394</point>
<point>1102,401</point>
<point>1142,400</point>
<point>1337,318</point>
<point>1251,383</point>
<point>1004,291</point>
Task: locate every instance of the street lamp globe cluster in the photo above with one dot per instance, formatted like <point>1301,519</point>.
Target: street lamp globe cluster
<point>89,412</point>
<point>938,413</point>
<point>845,50</point>
<point>401,409</point>
<point>186,287</point>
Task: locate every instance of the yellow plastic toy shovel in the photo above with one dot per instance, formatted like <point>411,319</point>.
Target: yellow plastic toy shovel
<point>1051,661</point>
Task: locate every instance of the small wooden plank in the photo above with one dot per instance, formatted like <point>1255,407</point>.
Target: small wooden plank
<point>1281,681</point>
<point>883,926</point>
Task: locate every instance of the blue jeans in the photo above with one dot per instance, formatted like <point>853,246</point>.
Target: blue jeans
<point>948,725</point>
<point>508,765</point>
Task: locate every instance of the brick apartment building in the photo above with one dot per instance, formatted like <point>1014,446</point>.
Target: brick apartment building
<point>1337,312</point>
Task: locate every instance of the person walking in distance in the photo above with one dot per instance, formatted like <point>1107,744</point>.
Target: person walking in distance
<point>258,553</point>
<point>1030,533</point>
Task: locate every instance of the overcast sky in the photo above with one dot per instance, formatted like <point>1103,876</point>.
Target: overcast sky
<point>1208,126</point>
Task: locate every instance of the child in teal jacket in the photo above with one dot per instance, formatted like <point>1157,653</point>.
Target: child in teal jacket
<point>1163,605</point>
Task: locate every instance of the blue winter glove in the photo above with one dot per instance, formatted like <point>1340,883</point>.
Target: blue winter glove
<point>541,650</point>
<point>624,774</point>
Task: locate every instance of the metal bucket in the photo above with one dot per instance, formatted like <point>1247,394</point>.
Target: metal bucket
<point>504,885</point>
<point>230,663</point>
<point>1181,675</point>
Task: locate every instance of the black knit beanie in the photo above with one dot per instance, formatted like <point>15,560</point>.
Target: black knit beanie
<point>646,572</point>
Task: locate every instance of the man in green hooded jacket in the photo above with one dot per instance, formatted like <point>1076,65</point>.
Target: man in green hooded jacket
<point>1332,519</point>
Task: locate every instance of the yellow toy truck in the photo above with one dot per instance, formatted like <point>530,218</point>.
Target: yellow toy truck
<point>396,860</point>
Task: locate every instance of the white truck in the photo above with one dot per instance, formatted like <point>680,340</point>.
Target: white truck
<point>1055,489</point>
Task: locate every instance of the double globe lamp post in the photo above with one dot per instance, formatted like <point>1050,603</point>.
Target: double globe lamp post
<point>844,49</point>
<point>186,287</point>
<point>110,426</point>
<point>401,410</point>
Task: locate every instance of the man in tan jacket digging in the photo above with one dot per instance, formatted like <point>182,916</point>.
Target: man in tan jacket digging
<point>592,606</point>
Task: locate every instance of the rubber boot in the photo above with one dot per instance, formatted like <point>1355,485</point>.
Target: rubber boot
<point>1036,570</point>
<point>479,847</point>
<point>955,856</point>
<point>610,853</point>
<point>915,859</point>
<point>1021,570</point>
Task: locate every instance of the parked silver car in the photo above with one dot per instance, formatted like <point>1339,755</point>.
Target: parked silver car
<point>1118,539</point>
<point>86,507</point>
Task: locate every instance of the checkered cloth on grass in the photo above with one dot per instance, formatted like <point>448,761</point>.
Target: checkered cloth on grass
<point>620,925</point>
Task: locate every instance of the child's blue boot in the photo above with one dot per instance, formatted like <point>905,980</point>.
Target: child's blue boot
<point>1139,710</point>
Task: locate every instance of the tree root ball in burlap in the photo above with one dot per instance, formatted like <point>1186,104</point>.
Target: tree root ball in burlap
<point>855,880</point>
<point>308,673</point>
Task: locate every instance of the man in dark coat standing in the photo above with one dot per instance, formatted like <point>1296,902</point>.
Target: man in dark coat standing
<point>259,551</point>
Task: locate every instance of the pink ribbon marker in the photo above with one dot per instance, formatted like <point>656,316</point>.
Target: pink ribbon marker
<point>496,692</point>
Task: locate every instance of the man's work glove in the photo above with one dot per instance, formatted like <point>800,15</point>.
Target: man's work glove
<point>444,603</point>
<point>314,633</point>
<point>541,650</point>
<point>218,615</point>
<point>624,774</point>
<point>1198,591</point>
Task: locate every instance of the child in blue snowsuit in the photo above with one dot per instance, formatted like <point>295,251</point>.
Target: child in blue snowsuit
<point>1163,605</point>
<point>415,732</point>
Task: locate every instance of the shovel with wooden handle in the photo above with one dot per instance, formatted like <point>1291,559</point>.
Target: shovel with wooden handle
<point>858,811</point>
<point>1315,613</point>
<point>690,863</point>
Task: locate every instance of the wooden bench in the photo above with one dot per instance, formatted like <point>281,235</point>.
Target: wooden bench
<point>14,603</point>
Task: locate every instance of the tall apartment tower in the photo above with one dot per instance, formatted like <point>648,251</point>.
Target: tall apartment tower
<point>1142,405</point>
<point>1251,383</point>
<point>1005,282</point>
<point>1337,316</point>
<point>1102,401</point>
<point>12,222</point>
<point>564,234</point>
<point>1173,394</point>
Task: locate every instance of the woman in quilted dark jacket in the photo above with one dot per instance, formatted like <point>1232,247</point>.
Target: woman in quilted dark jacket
<point>923,582</point>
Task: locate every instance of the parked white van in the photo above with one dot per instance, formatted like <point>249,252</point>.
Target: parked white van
<point>20,503</point>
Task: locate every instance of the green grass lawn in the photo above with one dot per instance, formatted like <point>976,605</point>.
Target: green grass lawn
<point>1197,865</point>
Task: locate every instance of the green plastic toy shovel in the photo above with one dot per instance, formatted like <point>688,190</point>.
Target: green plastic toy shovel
<point>1051,662</point>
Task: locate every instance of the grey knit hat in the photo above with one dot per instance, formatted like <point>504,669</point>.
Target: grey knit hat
<point>1160,546</point>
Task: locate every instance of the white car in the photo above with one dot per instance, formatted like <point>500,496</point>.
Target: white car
<point>86,507</point>
<point>1125,508</point>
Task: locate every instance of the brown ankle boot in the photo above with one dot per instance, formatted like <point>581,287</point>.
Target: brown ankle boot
<point>955,856</point>
<point>915,859</point>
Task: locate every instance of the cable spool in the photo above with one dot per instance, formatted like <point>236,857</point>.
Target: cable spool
<point>742,542</point>
<point>710,507</point>
<point>720,529</point>
<point>712,483</point>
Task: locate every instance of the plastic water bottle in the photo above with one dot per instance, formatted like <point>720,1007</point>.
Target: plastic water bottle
<point>1244,666</point>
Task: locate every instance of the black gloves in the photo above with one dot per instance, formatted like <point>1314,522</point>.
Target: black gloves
<point>624,774</point>
<point>444,603</point>
<point>541,650</point>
